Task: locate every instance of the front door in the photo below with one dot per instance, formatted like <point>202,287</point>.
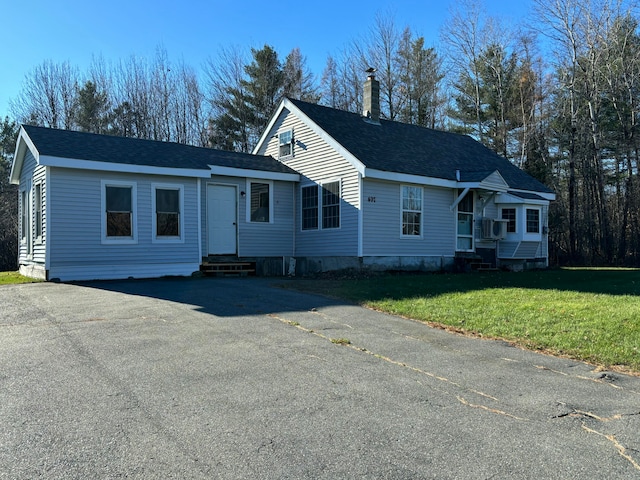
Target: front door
<point>222,219</point>
<point>465,224</point>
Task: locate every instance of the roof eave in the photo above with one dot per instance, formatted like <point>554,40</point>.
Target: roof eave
<point>23,144</point>
<point>252,173</point>
<point>315,128</point>
<point>445,183</point>
<point>63,162</point>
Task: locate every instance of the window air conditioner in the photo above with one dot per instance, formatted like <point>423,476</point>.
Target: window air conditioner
<point>494,229</point>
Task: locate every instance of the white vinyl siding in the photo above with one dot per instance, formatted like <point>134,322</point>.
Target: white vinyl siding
<point>32,248</point>
<point>382,230</point>
<point>320,164</point>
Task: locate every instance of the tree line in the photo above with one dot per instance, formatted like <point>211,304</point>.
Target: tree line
<point>558,97</point>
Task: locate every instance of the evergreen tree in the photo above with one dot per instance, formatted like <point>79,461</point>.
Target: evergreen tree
<point>92,109</point>
<point>263,88</point>
<point>420,76</point>
<point>298,80</point>
<point>8,198</point>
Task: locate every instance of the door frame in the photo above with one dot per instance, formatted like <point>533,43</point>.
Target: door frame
<point>473,222</point>
<point>237,214</point>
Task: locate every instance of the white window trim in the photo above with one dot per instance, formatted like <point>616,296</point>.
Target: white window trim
<point>154,217</point>
<point>473,225</point>
<point>511,207</point>
<point>134,212</point>
<point>402,210</point>
<point>291,143</point>
<point>248,200</point>
<point>39,239</point>
<point>26,219</point>
<point>318,218</point>
<point>318,186</point>
<point>527,236</point>
<point>321,205</point>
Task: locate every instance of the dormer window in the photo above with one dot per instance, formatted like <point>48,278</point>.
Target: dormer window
<point>286,143</point>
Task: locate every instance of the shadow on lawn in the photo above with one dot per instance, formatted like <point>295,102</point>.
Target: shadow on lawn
<point>399,286</point>
<point>257,296</point>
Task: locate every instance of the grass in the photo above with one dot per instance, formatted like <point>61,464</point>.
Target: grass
<point>586,314</point>
<point>11,278</point>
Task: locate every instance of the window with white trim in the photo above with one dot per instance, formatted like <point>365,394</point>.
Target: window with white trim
<point>119,212</point>
<point>309,196</point>
<point>37,210</point>
<point>331,205</point>
<point>533,220</point>
<point>509,214</point>
<point>285,142</point>
<point>24,216</point>
<point>411,201</point>
<point>168,223</point>
<point>260,201</point>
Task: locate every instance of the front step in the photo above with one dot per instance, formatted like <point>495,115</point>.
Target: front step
<point>228,268</point>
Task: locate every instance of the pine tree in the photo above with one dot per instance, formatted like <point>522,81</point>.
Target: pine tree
<point>92,109</point>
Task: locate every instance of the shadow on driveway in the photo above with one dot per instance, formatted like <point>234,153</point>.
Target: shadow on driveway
<point>224,297</point>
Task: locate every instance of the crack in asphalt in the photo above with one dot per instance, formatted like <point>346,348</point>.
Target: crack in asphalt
<point>492,410</point>
<point>407,366</point>
<point>622,450</point>
<point>581,377</point>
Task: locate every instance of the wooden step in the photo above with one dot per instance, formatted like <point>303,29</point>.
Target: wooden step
<point>228,268</point>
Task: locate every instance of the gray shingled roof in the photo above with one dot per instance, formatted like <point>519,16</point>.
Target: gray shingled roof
<point>410,149</point>
<point>132,151</point>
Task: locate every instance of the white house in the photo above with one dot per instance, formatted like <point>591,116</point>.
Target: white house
<point>104,207</point>
<point>384,194</point>
<point>328,188</point>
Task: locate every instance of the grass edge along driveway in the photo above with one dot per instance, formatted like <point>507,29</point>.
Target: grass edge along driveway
<point>588,314</point>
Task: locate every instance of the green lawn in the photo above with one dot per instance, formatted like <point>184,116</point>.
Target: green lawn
<point>7,278</point>
<point>586,314</point>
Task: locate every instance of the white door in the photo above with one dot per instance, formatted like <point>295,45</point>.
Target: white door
<point>222,218</point>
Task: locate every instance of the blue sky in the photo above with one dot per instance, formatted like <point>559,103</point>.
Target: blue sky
<point>194,30</point>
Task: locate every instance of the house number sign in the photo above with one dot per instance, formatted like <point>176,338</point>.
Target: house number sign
<point>371,199</point>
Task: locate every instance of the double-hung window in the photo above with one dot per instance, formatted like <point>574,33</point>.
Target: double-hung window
<point>509,214</point>
<point>37,211</point>
<point>285,141</point>
<point>411,211</point>
<point>320,206</point>
<point>24,218</point>
<point>310,207</point>
<point>533,220</point>
<point>119,212</point>
<point>167,206</point>
<point>260,202</point>
<point>331,205</point>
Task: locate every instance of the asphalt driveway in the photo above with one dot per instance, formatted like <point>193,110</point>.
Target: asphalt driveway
<point>233,378</point>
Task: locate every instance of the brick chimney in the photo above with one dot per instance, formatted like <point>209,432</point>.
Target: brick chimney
<point>371,100</point>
